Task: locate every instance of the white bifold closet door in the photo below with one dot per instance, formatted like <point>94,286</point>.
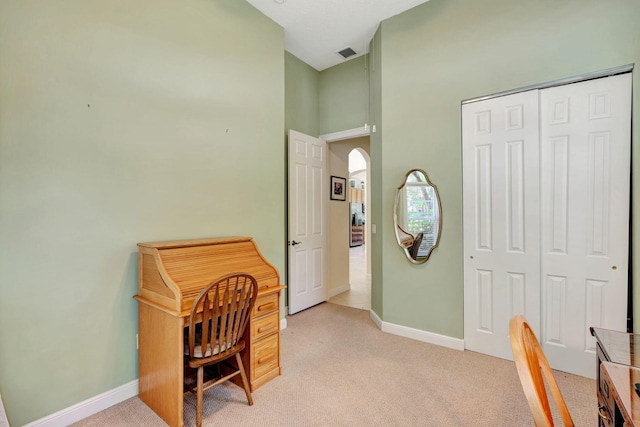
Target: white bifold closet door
<point>546,181</point>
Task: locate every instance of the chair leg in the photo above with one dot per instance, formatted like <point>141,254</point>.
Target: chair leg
<point>245,382</point>
<point>199,393</point>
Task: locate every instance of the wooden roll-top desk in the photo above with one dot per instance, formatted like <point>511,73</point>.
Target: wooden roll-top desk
<point>170,276</point>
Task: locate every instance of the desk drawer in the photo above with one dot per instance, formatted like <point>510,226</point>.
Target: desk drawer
<point>604,391</point>
<point>266,304</point>
<point>265,356</point>
<point>263,326</point>
<point>605,415</point>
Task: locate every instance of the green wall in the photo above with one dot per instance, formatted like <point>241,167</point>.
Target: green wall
<point>122,122</point>
<point>442,52</point>
<point>301,96</point>
<point>327,101</point>
<point>376,206</point>
<point>344,100</point>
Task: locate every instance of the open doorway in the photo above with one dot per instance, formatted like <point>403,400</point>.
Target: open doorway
<point>359,293</point>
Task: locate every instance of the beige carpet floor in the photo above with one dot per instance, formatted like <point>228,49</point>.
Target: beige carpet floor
<point>339,369</point>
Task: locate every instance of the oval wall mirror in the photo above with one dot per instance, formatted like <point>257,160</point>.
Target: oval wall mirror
<point>417,216</point>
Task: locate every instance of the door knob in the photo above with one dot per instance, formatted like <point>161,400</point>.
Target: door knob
<point>293,243</point>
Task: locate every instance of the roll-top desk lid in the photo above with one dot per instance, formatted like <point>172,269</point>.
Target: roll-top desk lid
<point>172,273</point>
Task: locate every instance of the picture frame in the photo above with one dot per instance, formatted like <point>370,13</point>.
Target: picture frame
<point>338,188</point>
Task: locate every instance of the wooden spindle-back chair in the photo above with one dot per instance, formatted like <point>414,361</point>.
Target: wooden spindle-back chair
<point>219,316</point>
<point>533,369</point>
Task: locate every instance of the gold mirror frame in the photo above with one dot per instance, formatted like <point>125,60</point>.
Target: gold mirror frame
<point>417,216</point>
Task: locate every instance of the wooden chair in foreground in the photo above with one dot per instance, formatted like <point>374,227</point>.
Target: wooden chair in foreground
<point>218,318</point>
<point>532,365</point>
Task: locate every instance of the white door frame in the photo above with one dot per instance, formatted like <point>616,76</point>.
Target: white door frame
<point>328,138</point>
<point>307,227</point>
<point>345,134</point>
<point>349,134</point>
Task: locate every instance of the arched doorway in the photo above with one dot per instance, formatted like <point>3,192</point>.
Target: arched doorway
<point>358,294</point>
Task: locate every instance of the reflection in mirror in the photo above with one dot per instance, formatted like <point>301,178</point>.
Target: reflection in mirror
<point>417,217</point>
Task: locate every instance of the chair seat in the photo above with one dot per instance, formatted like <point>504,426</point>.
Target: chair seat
<point>197,351</point>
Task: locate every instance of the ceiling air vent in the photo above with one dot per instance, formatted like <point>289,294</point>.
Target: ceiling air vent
<point>346,52</point>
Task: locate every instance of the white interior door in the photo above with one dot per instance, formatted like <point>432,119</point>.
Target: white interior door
<point>546,217</point>
<point>501,244</point>
<point>307,228</point>
<point>585,150</point>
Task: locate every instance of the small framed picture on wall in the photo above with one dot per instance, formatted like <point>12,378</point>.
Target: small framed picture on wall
<point>338,188</point>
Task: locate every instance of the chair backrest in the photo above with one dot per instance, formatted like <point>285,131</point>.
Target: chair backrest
<point>534,370</point>
<point>220,314</point>
<point>415,247</point>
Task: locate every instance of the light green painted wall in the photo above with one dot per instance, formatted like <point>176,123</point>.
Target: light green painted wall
<point>122,122</point>
<point>443,52</point>
<point>301,96</point>
<point>376,206</point>
<point>344,100</point>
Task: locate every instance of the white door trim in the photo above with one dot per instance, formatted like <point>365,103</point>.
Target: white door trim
<point>308,185</point>
<point>346,134</point>
<point>575,79</point>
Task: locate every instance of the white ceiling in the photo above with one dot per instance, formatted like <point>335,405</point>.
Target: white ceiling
<point>315,30</point>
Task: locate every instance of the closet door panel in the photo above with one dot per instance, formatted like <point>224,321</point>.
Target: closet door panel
<point>585,175</point>
<point>546,184</point>
<point>558,186</point>
<point>500,163</point>
<point>483,215</point>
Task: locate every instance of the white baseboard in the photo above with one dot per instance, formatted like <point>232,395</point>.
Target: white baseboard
<point>417,334</point>
<point>338,291</point>
<point>424,336</point>
<point>89,407</point>
<point>375,319</point>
